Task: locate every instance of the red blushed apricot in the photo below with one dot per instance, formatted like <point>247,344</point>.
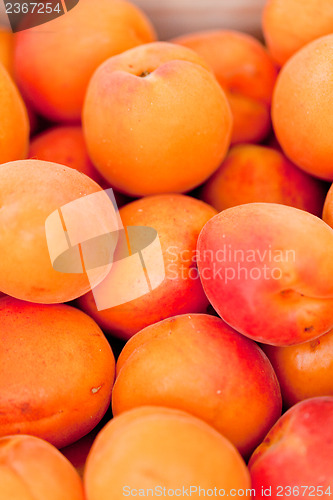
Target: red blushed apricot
<point>253,173</point>
<point>14,121</point>
<point>246,73</point>
<point>57,371</point>
<point>166,122</point>
<point>267,270</point>
<point>54,61</point>
<point>295,459</point>
<point>198,364</point>
<point>304,370</point>
<point>31,190</point>
<point>302,108</point>
<point>288,25</point>
<point>178,220</point>
<point>31,468</point>
<point>161,449</point>
<point>64,145</point>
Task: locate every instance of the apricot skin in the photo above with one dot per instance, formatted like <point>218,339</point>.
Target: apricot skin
<point>166,122</point>
<point>255,173</point>
<point>267,271</point>
<point>168,362</point>
<point>32,468</point>
<point>178,220</point>
<point>153,447</point>
<point>297,452</point>
<point>57,371</point>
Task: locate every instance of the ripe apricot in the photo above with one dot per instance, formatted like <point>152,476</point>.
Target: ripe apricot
<point>166,122</point>
<point>64,145</point>
<point>254,173</point>
<point>246,73</point>
<point>302,108</point>
<point>169,362</point>
<point>6,49</point>
<point>32,468</point>
<point>178,220</point>
<point>54,61</point>
<point>57,371</point>
<point>288,25</point>
<point>267,270</point>
<point>14,121</point>
<point>31,190</point>
<point>161,450</point>
<point>296,455</point>
<point>304,370</point>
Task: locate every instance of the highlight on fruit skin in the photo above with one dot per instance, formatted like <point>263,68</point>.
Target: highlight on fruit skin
<point>57,371</point>
<point>32,468</point>
<point>153,448</point>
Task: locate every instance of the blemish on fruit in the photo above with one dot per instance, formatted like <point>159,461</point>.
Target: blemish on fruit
<point>94,390</point>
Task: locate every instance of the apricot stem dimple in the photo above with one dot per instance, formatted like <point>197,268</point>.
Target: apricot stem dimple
<point>144,73</point>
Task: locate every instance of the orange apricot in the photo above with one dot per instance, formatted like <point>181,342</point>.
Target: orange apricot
<point>54,61</point>
<point>57,371</point>
<point>178,220</point>
<point>6,49</point>
<point>31,190</point>
<point>31,468</point>
<point>166,122</point>
<point>64,145</point>
<point>198,364</point>
<point>14,121</point>
<point>246,73</point>
<point>255,173</point>
<point>304,370</point>
<point>302,108</point>
<point>161,450</point>
<point>288,25</point>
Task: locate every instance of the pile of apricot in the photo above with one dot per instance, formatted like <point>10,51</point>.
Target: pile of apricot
<point>183,344</point>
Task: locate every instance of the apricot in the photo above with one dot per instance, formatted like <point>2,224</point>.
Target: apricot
<point>178,220</point>
<point>288,25</point>
<point>31,190</point>
<point>54,61</point>
<point>295,459</point>
<point>198,364</point>
<point>302,108</point>
<point>14,121</point>
<point>6,49</point>
<point>32,468</point>
<point>267,271</point>
<point>57,371</point>
<point>246,73</point>
<point>166,122</point>
<point>64,145</point>
<point>304,370</point>
<point>254,173</point>
<point>161,450</point>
